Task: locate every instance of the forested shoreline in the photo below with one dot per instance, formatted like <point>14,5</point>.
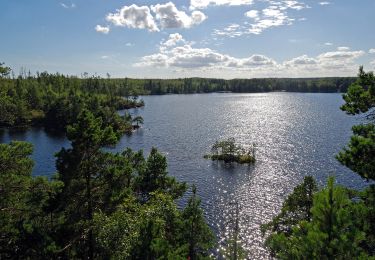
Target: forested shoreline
<point>206,85</point>
<point>103,205</point>
<point>55,100</point>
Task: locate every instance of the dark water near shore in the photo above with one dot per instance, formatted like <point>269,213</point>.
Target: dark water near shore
<point>296,134</point>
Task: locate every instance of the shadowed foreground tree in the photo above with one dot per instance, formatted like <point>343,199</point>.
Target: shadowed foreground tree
<point>335,230</point>
<point>359,156</point>
<point>195,229</point>
<point>100,205</point>
<point>25,228</point>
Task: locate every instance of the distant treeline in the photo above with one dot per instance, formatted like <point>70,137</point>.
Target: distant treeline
<point>203,85</point>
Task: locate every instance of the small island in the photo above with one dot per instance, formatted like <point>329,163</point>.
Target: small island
<point>228,151</point>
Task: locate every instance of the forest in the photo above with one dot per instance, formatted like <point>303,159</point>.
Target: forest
<point>203,85</point>
<point>54,100</point>
<point>103,205</point>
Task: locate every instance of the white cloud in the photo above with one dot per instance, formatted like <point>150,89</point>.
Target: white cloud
<point>232,30</point>
<point>371,51</point>
<point>303,60</point>
<point>290,5</point>
<point>104,57</point>
<point>129,44</point>
<point>187,57</point>
<point>178,54</point>
<point>166,16</point>
<point>258,60</point>
<point>133,17</point>
<point>271,17</point>
<point>170,17</point>
<point>343,48</point>
<point>102,29</point>
<point>254,14</point>
<point>324,3</point>
<point>66,6</point>
<point>173,39</point>
<point>341,55</point>
<point>373,63</point>
<point>328,44</point>
<point>274,15</point>
<point>201,4</point>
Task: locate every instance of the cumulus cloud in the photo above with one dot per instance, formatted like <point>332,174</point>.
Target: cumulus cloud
<point>256,60</point>
<point>201,4</point>
<point>324,3</point>
<point>328,63</point>
<point>177,53</point>
<point>173,39</point>
<point>303,60</point>
<point>133,16</point>
<point>371,51</point>
<point>328,44</point>
<point>170,17</point>
<point>102,29</point>
<point>154,18</point>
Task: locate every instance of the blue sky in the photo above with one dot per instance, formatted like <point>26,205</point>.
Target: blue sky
<point>206,38</point>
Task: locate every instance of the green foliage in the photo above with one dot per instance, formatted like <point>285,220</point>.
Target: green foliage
<point>24,225</point>
<point>335,231</point>
<point>89,133</point>
<point>154,176</point>
<point>100,205</point>
<point>360,153</point>
<point>359,156</point>
<point>195,230</point>
<point>55,100</point>
<point>205,85</point>
<point>138,120</point>
<point>83,169</point>
<point>4,71</point>
<point>154,230</point>
<point>296,208</point>
<point>360,97</point>
<point>228,151</point>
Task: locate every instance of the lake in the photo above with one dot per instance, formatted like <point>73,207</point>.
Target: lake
<point>296,135</point>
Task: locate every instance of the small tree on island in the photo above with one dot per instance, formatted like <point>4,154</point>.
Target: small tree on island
<point>228,151</point>
<point>137,120</point>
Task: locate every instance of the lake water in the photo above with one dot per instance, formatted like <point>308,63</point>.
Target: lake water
<point>296,135</point>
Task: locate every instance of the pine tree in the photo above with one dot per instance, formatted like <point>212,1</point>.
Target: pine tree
<point>195,231</point>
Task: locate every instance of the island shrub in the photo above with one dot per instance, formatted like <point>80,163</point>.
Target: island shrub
<point>228,151</point>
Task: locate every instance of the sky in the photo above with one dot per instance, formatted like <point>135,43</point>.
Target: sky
<point>189,38</point>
